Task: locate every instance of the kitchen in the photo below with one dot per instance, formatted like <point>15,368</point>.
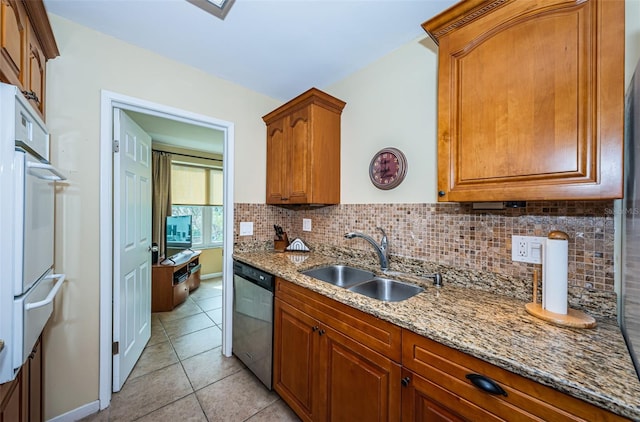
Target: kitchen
<point>90,61</point>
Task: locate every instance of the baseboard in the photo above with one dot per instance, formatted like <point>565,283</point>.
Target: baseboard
<point>78,413</point>
<point>210,276</point>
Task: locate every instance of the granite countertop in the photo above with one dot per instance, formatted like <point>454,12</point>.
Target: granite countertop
<point>591,364</point>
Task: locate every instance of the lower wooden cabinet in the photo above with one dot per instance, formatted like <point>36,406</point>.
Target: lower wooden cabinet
<point>335,363</point>
<point>13,400</point>
<point>322,371</point>
<point>171,284</point>
<point>358,384</point>
<point>439,387</point>
<point>34,384</point>
<point>295,361</point>
<point>426,401</point>
<point>21,399</point>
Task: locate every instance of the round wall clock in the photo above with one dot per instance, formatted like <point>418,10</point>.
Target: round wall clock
<point>388,168</point>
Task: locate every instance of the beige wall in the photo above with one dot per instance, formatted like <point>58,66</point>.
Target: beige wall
<point>211,261</point>
<point>391,103</point>
<point>89,62</point>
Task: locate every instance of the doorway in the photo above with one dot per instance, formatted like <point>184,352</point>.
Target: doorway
<point>109,101</point>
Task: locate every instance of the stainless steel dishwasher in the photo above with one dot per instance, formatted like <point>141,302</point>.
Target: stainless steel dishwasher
<point>253,319</point>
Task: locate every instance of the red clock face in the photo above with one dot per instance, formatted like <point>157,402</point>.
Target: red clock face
<point>388,168</point>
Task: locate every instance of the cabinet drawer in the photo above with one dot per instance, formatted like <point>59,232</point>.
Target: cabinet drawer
<point>525,399</point>
<point>180,292</point>
<point>381,336</point>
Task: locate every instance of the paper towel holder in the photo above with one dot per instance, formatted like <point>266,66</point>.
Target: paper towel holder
<point>573,318</point>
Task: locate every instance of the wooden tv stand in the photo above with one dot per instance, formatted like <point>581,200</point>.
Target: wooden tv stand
<point>171,282</point>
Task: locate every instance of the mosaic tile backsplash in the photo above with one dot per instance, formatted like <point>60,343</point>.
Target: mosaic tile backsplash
<point>456,238</point>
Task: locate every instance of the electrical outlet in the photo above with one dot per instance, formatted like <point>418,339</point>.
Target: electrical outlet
<point>527,249</point>
<point>306,224</point>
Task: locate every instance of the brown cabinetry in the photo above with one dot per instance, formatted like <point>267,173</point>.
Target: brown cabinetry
<point>21,400</point>
<point>171,283</point>
<point>438,387</point>
<point>303,150</point>
<point>332,362</point>
<point>26,43</point>
<point>530,99</point>
<point>335,363</point>
<point>13,400</point>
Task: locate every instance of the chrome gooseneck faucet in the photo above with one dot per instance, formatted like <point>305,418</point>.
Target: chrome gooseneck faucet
<point>382,250</point>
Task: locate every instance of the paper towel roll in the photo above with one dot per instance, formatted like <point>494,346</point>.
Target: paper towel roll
<point>555,268</point>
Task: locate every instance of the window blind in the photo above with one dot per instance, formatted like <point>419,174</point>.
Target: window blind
<point>193,185</point>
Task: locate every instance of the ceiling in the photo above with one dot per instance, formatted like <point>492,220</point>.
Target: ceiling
<point>179,134</point>
<point>279,48</point>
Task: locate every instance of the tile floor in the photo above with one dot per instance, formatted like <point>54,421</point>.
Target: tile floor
<point>182,374</point>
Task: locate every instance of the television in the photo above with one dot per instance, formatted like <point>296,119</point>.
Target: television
<point>178,234</point>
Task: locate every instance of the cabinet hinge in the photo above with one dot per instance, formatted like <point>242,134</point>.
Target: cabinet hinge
<point>115,348</point>
<point>116,145</point>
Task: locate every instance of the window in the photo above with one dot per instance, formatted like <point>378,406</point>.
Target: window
<point>197,191</point>
<point>206,224</point>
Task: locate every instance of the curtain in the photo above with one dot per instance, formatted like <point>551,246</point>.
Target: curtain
<point>161,168</point>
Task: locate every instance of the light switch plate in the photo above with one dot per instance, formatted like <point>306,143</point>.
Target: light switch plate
<point>246,228</point>
<point>306,224</point>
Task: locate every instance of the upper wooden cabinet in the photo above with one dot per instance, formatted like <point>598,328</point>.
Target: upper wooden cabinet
<point>26,43</point>
<point>303,151</point>
<point>530,99</point>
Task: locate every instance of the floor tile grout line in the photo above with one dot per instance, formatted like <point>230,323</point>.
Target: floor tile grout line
<point>163,406</point>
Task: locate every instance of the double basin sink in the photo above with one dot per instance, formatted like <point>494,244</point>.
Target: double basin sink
<point>364,282</point>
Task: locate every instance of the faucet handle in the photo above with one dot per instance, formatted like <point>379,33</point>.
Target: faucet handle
<point>384,242</point>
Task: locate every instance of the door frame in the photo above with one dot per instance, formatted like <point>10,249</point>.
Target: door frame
<point>108,101</point>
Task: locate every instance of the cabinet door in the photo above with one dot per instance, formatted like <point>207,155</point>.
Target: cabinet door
<point>35,80</point>
<point>531,103</point>
<point>358,384</point>
<point>295,354</point>
<point>13,39</point>
<point>299,177</point>
<point>35,383</point>
<point>425,401</point>
<point>276,163</point>
<point>13,403</point>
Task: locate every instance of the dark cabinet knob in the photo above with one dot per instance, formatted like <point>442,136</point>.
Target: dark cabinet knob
<point>405,381</point>
<point>441,193</point>
<point>321,332</point>
<point>486,384</point>
<point>314,329</point>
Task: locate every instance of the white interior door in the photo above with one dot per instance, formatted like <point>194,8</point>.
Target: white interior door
<point>132,245</point>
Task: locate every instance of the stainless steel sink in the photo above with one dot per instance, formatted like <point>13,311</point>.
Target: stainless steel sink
<point>386,289</point>
<point>340,275</point>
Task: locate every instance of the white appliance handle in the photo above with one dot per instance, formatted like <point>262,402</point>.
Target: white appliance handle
<point>47,300</point>
<point>57,176</point>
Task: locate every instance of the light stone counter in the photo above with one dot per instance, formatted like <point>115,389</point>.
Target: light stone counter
<point>590,364</point>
